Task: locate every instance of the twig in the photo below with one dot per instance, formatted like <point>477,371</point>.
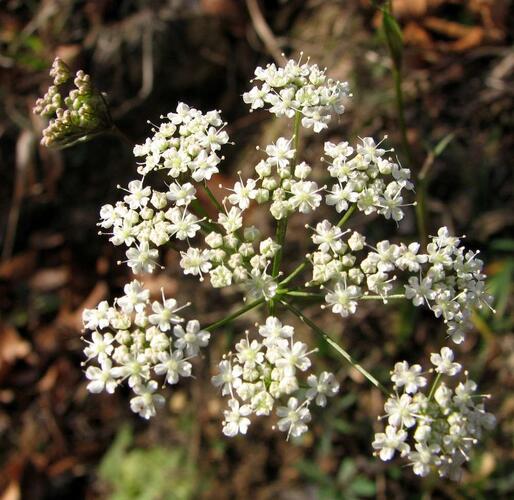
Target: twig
<point>147,75</point>
<point>264,31</point>
<point>24,156</point>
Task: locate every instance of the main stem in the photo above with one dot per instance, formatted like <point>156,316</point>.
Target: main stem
<point>280,234</point>
<point>397,77</point>
<point>421,188</point>
<point>337,347</point>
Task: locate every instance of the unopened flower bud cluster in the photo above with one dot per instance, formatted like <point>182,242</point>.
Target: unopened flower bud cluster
<point>142,342</point>
<point>263,374</point>
<point>82,113</point>
<point>435,432</point>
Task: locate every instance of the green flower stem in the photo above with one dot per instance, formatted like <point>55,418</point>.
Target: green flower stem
<point>434,386</point>
<point>346,216</point>
<point>296,135</point>
<point>379,297</point>
<point>298,293</point>
<point>211,196</point>
<point>337,347</point>
<point>280,234</point>
<point>231,317</point>
<point>199,209</point>
<point>280,237</point>
<point>282,223</point>
<point>295,273</point>
<point>397,77</point>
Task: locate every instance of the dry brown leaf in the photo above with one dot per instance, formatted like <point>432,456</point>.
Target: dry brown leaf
<point>49,378</point>
<point>73,319</point>
<point>447,28</point>
<point>473,39</point>
<point>414,34</point>
<point>12,492</point>
<point>12,346</point>
<point>18,267</point>
<point>46,280</point>
<point>61,466</point>
<point>403,9</point>
<point>45,240</point>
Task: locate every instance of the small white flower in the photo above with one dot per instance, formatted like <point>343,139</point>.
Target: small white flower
<point>183,225</point>
<point>135,298</point>
<point>232,220</point>
<point>305,196</point>
<point>192,338</point>
<point>443,362</point>
<point>236,418</point>
<point>146,400</point>
<point>99,347</point>
<point>249,353</point>
<point>142,258</point>
<point>229,377</point>
<point>401,411</point>
<point>321,387</point>
<point>101,378</point>
<point>293,356</point>
<point>181,194</point>
<point>274,332</point>
<point>164,314</point>
<point>393,439</point>
<point>293,417</point>
<point>139,196</point>
<point>343,298</point>
<point>408,377</point>
<point>243,194</point>
<point>195,261</point>
<point>280,153</point>
<point>173,365</point>
<point>98,317</point>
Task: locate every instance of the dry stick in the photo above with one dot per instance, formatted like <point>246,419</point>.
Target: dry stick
<point>147,75</point>
<point>24,152</point>
<point>264,32</point>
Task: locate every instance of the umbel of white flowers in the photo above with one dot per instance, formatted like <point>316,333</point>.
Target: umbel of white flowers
<point>143,341</point>
<point>438,431</point>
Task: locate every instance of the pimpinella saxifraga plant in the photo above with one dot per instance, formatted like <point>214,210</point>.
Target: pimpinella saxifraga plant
<point>146,343</point>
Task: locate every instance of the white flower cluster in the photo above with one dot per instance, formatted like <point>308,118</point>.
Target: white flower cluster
<point>361,174</point>
<point>140,341</point>
<point>451,285</point>
<point>187,143</point>
<point>185,147</point>
<point>448,279</point>
<point>263,372</point>
<point>296,87</point>
<point>282,182</point>
<point>434,432</point>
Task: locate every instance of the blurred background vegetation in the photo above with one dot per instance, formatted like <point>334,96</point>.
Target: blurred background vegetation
<point>457,82</point>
